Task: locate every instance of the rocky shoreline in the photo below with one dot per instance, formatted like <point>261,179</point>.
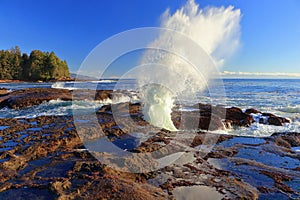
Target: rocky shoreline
<point>46,157</point>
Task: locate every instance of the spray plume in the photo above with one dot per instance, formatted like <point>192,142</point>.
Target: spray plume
<point>216,30</point>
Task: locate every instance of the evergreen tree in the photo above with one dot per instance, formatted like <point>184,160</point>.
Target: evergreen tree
<point>15,64</point>
<point>38,66</point>
<point>25,67</point>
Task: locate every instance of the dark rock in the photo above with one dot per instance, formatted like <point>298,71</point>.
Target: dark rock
<point>263,189</point>
<point>286,139</point>
<point>268,115</point>
<point>35,96</point>
<point>198,139</point>
<point>105,109</point>
<point>203,137</point>
<point>210,122</point>
<point>237,117</point>
<point>222,153</point>
<point>282,142</point>
<point>277,121</point>
<point>103,94</point>
<point>252,110</point>
<point>216,110</point>
<point>204,121</point>
<point>207,118</point>
<point>122,108</point>
<point>279,179</point>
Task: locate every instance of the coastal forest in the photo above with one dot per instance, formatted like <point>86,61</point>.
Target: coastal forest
<point>39,65</point>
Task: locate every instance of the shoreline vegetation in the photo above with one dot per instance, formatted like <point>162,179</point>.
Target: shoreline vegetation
<point>39,66</point>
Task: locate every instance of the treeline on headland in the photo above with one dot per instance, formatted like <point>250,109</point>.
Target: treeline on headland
<point>39,65</point>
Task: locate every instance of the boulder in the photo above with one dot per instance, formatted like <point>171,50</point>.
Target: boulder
<point>277,121</point>
<point>235,116</point>
<point>252,110</point>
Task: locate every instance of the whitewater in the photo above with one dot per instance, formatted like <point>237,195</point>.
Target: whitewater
<point>174,71</point>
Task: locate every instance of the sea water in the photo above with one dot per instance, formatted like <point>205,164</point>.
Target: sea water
<point>278,96</point>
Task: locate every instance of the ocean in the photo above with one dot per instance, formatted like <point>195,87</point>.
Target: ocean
<point>277,96</point>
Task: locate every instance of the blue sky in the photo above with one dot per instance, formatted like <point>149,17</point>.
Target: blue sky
<point>270,29</point>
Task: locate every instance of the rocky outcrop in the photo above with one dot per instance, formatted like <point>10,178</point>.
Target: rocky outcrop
<point>287,140</point>
<point>236,117</point>
<point>44,157</point>
<point>30,97</point>
<point>34,96</point>
<point>275,120</point>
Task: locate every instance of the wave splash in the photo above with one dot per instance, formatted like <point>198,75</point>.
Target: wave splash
<point>216,30</point>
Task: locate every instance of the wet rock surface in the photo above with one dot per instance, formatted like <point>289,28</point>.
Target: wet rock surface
<point>208,117</point>
<point>34,96</point>
<point>46,158</point>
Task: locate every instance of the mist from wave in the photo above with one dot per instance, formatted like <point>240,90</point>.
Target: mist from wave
<point>169,76</point>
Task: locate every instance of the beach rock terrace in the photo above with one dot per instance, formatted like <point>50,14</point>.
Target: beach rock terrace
<point>46,158</point>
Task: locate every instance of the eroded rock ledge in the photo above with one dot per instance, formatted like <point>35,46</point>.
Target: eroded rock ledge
<point>44,157</point>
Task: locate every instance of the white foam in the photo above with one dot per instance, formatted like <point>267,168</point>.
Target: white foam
<point>158,104</point>
<point>104,81</point>
<point>263,130</point>
<point>62,85</point>
<point>258,117</point>
<point>59,107</point>
<point>216,30</point>
<point>58,85</point>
